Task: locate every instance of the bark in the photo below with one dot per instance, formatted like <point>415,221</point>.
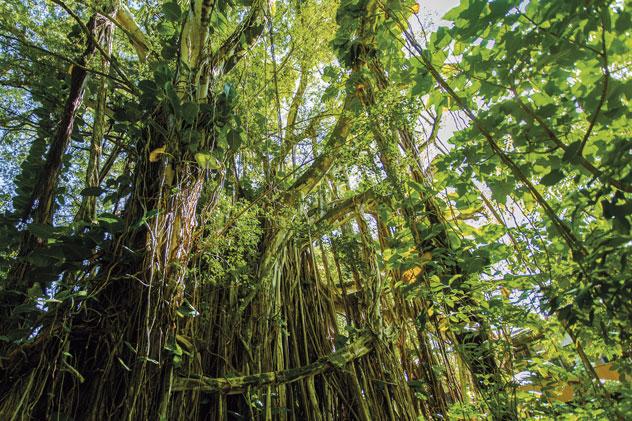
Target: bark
<point>88,207</point>
<point>323,163</point>
<point>40,206</point>
<point>41,203</point>
<point>229,385</point>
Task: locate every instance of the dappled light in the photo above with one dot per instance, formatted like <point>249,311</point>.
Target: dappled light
<point>315,210</point>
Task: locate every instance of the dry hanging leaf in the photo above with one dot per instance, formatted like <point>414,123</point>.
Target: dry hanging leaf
<point>155,154</point>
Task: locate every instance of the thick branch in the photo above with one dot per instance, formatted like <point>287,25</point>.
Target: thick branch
<point>125,20</point>
<point>323,163</point>
<point>574,244</point>
<point>290,138</point>
<point>233,49</point>
<point>43,195</point>
<point>340,208</point>
<point>234,385</point>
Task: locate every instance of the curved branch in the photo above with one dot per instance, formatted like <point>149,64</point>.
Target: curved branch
<point>573,242</point>
<point>321,165</point>
<point>290,138</point>
<point>604,91</point>
<point>234,385</point>
<point>92,40</point>
<point>342,207</point>
<point>233,49</point>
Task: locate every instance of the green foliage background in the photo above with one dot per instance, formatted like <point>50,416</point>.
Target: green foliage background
<point>520,121</point>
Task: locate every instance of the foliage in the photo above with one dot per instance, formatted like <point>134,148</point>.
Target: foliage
<point>346,211</point>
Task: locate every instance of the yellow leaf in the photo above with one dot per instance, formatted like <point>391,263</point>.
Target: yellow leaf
<point>415,8</point>
<point>411,274</point>
<point>605,372</point>
<point>444,325</point>
<point>155,154</point>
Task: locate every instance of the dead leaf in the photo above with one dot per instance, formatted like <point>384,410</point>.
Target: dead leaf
<point>155,154</point>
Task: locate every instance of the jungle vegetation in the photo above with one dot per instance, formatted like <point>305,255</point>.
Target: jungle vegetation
<point>315,210</point>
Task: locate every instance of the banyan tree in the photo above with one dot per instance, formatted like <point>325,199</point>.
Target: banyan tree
<point>315,209</point>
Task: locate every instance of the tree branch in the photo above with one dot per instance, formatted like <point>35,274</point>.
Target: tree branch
<point>232,50</point>
<point>310,178</point>
<point>235,385</point>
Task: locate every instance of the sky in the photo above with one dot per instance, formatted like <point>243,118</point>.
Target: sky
<point>435,9</point>
<point>430,14</point>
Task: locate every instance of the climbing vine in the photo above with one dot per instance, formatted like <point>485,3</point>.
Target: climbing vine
<point>315,209</point>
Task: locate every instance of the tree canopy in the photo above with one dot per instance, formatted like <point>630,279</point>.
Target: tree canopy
<point>315,209</point>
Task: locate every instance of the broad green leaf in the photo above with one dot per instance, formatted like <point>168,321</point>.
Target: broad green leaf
<point>171,10</point>
<point>92,191</point>
<point>206,160</point>
<point>187,310</point>
<point>552,178</point>
<point>190,112</point>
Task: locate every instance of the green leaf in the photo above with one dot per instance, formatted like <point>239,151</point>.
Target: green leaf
<point>168,52</point>
<point>147,85</point>
<point>109,218</point>
<point>187,310</point>
<point>423,83</point>
<point>173,97</point>
<point>42,230</point>
<point>441,38</point>
<point>92,191</point>
<point>35,291</point>
<point>25,309</point>
<point>570,155</point>
<point>172,11</point>
<point>500,189</point>
<point>207,161</point>
<point>500,8</point>
<point>552,178</point>
<point>234,139</point>
<point>618,214</point>
<point>190,112</point>
<point>330,93</point>
<point>455,12</point>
